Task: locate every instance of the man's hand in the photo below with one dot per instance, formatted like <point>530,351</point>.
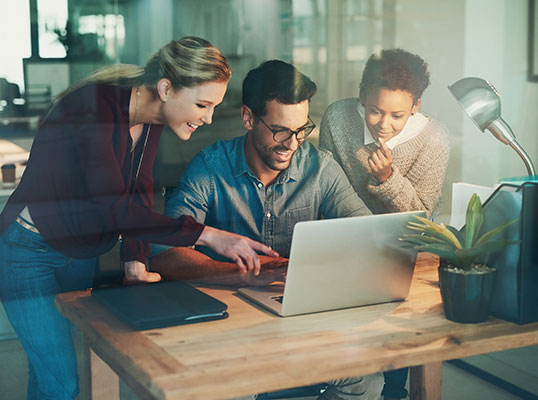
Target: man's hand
<point>272,262</point>
<point>273,269</point>
<point>237,248</point>
<point>265,277</point>
<point>135,272</point>
<point>381,162</point>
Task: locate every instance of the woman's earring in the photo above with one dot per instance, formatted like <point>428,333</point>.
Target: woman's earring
<point>164,99</point>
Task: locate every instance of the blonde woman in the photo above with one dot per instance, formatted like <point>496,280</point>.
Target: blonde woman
<point>88,181</point>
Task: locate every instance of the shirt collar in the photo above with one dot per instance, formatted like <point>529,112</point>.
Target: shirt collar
<point>240,164</point>
<point>414,125</point>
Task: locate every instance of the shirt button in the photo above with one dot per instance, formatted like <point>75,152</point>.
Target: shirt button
<point>268,215</point>
<point>260,185</point>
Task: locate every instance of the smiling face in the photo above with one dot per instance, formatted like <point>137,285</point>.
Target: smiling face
<point>386,111</point>
<point>185,110</point>
<point>263,154</point>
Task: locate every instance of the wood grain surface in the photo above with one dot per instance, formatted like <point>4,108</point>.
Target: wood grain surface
<point>254,351</point>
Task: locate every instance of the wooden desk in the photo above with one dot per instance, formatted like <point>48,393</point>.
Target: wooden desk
<point>254,351</point>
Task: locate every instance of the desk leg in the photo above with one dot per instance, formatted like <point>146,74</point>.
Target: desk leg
<point>101,383</point>
<point>425,382</point>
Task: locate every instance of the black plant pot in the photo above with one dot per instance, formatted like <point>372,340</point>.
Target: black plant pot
<point>466,297</point>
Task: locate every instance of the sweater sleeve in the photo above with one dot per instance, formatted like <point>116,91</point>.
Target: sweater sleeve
<point>420,188</point>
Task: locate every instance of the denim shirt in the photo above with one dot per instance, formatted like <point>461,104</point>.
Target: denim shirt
<point>219,189</point>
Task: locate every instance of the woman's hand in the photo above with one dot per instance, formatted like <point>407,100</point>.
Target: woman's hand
<point>381,162</point>
<point>135,272</point>
<point>237,248</point>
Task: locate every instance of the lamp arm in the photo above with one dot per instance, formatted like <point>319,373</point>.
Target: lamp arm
<point>525,157</point>
<point>502,131</point>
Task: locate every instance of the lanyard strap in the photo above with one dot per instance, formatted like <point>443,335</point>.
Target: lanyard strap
<point>145,136</point>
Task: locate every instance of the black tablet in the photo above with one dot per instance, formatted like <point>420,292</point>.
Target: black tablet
<point>161,304</point>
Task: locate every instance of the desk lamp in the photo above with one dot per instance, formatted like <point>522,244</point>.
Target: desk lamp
<point>482,103</point>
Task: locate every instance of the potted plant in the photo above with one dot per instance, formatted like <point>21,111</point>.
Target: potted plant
<point>465,284</point>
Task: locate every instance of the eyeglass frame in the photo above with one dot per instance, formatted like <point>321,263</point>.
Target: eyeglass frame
<point>296,132</point>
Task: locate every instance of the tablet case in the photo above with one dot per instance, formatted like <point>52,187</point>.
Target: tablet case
<point>162,304</point>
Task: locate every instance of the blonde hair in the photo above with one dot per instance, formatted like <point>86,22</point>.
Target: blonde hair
<point>187,62</point>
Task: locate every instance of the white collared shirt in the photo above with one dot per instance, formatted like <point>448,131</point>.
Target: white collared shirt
<point>414,125</point>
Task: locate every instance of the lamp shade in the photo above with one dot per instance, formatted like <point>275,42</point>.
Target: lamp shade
<point>479,99</point>
<point>482,103</point>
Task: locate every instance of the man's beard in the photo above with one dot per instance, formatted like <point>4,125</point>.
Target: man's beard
<point>266,154</point>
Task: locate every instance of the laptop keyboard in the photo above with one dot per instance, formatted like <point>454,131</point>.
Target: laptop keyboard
<point>277,298</point>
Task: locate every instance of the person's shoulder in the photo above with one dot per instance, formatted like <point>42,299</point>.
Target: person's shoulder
<point>92,90</point>
<point>222,147</point>
<point>342,118</point>
<point>436,128</point>
<point>436,133</point>
<point>310,154</point>
<point>345,106</point>
<point>93,98</point>
<point>222,150</point>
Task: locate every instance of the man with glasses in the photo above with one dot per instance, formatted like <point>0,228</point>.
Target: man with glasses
<point>260,185</point>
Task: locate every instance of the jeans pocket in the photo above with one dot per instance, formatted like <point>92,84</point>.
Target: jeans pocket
<point>24,239</point>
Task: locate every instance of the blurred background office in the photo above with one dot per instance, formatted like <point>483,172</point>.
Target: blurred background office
<point>46,45</point>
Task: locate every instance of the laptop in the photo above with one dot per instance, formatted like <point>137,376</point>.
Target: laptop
<point>162,304</point>
<point>340,263</point>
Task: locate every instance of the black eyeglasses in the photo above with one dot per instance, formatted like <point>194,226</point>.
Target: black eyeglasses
<point>281,135</point>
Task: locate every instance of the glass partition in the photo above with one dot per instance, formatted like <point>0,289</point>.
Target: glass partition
<point>47,45</point>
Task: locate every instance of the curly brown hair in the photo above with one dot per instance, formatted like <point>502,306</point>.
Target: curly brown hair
<point>395,69</point>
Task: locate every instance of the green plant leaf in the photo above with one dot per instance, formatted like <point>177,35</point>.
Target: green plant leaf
<point>473,220</point>
<point>468,256</point>
<point>442,231</point>
<point>422,238</point>
<point>434,235</point>
<point>456,233</point>
<point>419,239</point>
<point>495,245</point>
<point>416,226</point>
<point>441,250</point>
<point>494,232</point>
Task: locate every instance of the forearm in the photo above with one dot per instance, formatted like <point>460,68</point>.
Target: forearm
<point>185,263</point>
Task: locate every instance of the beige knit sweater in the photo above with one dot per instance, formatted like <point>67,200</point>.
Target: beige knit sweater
<point>419,165</point>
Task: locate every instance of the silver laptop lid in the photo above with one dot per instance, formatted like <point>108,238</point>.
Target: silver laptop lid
<point>348,262</point>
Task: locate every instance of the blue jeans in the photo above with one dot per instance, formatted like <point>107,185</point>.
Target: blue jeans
<point>31,274</point>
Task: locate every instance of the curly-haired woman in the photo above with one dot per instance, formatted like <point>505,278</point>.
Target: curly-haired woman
<point>394,156</point>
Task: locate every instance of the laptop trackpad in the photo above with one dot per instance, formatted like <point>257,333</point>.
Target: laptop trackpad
<point>269,297</point>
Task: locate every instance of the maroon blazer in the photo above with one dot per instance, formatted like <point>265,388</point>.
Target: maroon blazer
<point>79,181</point>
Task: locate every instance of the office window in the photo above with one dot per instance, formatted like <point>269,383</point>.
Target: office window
<point>333,39</point>
<point>15,24</point>
<point>106,32</point>
<point>52,19</point>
